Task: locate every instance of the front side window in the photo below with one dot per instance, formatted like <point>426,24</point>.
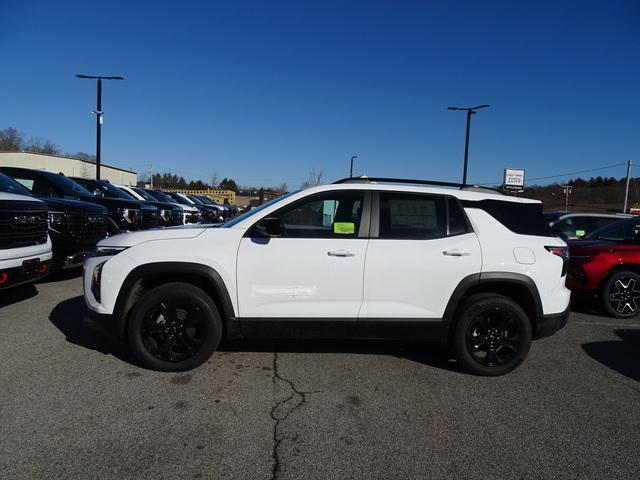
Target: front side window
<point>412,216</point>
<point>332,215</point>
<point>573,227</point>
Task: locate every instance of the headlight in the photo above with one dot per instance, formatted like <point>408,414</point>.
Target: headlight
<point>96,278</point>
<point>56,219</point>
<point>107,251</point>
<point>165,216</point>
<point>130,216</point>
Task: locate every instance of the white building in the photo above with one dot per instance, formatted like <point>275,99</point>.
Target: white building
<point>71,167</point>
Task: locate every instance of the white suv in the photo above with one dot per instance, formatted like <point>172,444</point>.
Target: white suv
<point>369,258</point>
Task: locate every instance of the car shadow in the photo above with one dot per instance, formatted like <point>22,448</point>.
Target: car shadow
<point>17,294</point>
<point>68,317</point>
<point>619,355</point>
<point>430,354</point>
<point>61,275</point>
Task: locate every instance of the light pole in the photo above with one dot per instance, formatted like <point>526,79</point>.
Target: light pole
<point>353,157</point>
<point>99,114</point>
<point>470,111</point>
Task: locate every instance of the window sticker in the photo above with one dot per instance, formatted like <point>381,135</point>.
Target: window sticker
<point>580,233</point>
<point>344,228</point>
<point>410,213</point>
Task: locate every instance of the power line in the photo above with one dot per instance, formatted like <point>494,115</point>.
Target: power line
<point>564,174</point>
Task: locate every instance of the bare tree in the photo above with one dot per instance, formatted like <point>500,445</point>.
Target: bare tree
<point>11,140</point>
<point>38,145</point>
<point>314,178</point>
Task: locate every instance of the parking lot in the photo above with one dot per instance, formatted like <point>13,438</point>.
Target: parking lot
<point>74,405</point>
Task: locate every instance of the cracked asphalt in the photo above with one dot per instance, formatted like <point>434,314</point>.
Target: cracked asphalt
<point>73,405</point>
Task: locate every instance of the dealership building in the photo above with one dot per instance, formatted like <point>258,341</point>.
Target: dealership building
<point>69,166</point>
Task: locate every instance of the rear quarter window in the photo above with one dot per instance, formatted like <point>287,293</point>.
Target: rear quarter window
<point>520,218</point>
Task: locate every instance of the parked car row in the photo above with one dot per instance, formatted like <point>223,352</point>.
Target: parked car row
<point>604,258</point>
<point>51,222</point>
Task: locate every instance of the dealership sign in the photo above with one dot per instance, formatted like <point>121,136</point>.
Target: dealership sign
<point>513,179</point>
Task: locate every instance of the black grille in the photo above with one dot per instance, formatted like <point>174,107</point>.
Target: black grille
<point>192,217</point>
<point>149,218</point>
<point>86,226</point>
<point>22,228</point>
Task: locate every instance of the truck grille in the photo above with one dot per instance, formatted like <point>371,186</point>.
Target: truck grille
<point>192,217</point>
<point>83,226</point>
<point>22,228</point>
<point>149,218</point>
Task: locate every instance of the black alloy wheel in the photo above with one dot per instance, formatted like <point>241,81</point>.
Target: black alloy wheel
<point>174,327</point>
<point>494,338</point>
<point>621,294</point>
<point>492,334</point>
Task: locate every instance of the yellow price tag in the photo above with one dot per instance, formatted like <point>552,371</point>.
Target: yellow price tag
<point>344,228</point>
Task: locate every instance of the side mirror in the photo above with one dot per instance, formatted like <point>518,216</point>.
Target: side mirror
<point>269,227</point>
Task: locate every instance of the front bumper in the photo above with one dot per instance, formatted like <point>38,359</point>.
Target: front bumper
<point>106,324</point>
<point>12,277</point>
<point>547,325</point>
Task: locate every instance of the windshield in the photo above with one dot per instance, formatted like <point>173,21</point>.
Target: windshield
<point>195,200</point>
<point>144,194</point>
<point>253,211</point>
<point>163,197</point>
<point>9,185</point>
<point>621,231</point>
<point>68,187</point>
<point>115,192</point>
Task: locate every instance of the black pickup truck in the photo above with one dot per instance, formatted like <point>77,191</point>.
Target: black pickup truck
<point>168,214</point>
<point>74,227</point>
<point>124,214</point>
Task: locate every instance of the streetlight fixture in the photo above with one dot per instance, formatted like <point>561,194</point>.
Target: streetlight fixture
<point>353,157</point>
<point>99,114</point>
<point>470,111</point>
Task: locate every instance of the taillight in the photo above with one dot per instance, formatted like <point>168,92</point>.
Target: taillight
<point>563,253</point>
<point>3,278</point>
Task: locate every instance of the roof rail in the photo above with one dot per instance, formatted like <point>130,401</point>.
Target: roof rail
<point>436,183</point>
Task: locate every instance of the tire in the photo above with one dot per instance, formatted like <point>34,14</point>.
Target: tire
<point>620,296</point>
<point>492,335</point>
<point>174,327</point>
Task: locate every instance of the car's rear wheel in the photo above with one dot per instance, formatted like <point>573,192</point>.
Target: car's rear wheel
<point>174,327</point>
<point>492,335</point>
<point>620,295</point>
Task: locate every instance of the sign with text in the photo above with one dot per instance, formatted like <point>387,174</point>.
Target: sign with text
<point>513,179</point>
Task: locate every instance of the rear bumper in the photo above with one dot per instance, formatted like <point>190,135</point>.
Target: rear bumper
<point>547,325</point>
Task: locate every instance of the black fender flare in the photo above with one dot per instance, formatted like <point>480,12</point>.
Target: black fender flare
<point>212,278</point>
<point>504,278</point>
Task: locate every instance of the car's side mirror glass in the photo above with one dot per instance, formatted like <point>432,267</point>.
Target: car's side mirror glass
<point>269,227</point>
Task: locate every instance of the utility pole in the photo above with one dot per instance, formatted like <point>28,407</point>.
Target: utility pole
<point>99,115</point>
<point>626,190</point>
<point>470,111</point>
<point>353,157</point>
<point>567,191</point>
<point>151,176</point>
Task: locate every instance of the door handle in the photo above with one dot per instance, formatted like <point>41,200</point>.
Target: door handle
<point>341,253</point>
<point>455,252</point>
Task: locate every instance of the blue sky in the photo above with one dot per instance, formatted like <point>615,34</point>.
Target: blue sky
<point>264,91</point>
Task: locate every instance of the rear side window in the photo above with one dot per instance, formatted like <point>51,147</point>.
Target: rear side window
<point>412,216</point>
<point>521,218</point>
<point>457,221</point>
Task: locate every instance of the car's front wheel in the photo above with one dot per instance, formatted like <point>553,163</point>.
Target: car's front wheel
<point>492,335</point>
<point>174,327</point>
<point>621,294</point>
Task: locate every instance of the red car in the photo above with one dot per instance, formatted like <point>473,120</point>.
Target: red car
<point>607,264</point>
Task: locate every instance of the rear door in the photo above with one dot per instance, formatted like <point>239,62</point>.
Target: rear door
<point>421,247</point>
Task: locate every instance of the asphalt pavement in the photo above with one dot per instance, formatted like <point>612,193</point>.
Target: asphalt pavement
<point>73,405</point>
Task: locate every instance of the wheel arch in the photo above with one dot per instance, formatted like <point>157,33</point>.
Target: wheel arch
<point>145,277</point>
<point>618,267</point>
<point>516,286</point>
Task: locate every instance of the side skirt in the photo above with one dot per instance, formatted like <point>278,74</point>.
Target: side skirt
<point>431,329</point>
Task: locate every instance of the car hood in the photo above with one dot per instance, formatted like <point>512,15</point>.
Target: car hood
<point>116,202</point>
<point>72,206</point>
<point>129,239</point>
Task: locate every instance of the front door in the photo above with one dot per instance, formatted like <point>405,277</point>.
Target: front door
<point>313,271</point>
